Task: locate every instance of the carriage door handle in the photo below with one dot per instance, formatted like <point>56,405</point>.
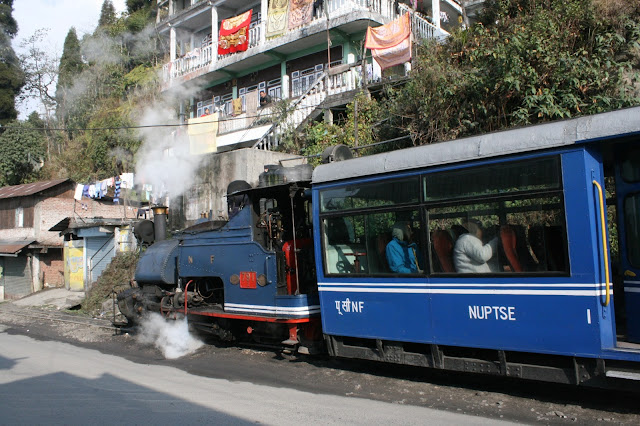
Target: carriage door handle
<point>604,243</point>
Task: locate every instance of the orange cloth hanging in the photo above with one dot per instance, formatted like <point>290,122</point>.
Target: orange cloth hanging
<point>390,44</point>
<point>389,35</point>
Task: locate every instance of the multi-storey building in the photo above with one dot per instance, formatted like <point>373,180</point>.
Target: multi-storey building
<point>223,53</point>
<point>306,51</point>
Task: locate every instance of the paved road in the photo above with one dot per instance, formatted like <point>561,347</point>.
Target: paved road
<point>285,381</point>
<point>46,382</point>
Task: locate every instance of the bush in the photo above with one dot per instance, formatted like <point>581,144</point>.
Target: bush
<point>116,276</point>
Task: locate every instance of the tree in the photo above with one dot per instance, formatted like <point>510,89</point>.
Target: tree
<point>71,64</point>
<point>40,70</point>
<point>7,21</point>
<point>70,68</point>
<point>135,5</point>
<point>526,62</point>
<point>107,14</point>
<point>21,153</point>
<point>11,75</point>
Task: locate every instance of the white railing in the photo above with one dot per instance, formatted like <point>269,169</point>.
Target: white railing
<point>192,61</point>
<point>333,81</point>
<point>341,7</point>
<point>229,124</point>
<point>422,26</point>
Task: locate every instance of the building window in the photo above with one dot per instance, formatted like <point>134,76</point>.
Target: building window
<point>19,217</point>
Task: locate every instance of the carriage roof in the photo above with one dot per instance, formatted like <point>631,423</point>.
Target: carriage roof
<point>520,140</point>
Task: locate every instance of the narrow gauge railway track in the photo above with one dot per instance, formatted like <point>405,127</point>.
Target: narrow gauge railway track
<point>57,316</point>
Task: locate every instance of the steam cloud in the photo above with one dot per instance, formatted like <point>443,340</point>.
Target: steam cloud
<point>164,159</point>
<point>172,338</point>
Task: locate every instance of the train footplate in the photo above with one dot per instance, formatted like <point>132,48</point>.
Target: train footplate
<point>291,344</point>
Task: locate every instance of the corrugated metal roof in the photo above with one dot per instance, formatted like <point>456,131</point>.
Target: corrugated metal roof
<point>90,222</point>
<point>62,225</point>
<point>13,247</point>
<point>29,188</point>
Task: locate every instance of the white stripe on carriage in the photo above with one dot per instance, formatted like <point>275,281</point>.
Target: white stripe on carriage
<point>261,309</point>
<point>429,285</point>
<point>286,308</point>
<point>465,291</point>
<point>632,289</point>
<point>272,311</point>
<point>631,282</point>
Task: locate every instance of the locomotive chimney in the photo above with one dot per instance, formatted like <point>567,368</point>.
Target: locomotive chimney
<point>160,222</point>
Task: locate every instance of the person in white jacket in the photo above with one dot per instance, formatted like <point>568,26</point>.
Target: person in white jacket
<point>470,256</point>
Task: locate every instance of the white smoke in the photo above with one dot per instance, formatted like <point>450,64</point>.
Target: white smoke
<point>164,160</point>
<point>171,337</point>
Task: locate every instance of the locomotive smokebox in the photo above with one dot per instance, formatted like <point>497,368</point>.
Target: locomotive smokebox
<point>160,222</point>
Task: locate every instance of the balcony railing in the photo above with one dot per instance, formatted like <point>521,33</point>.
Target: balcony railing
<point>421,25</point>
<point>202,57</point>
<point>336,80</point>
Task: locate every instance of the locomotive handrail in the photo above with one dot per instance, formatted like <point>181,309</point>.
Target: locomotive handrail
<point>604,243</point>
<point>186,296</point>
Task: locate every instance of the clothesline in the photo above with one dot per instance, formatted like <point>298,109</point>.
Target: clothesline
<point>98,190</point>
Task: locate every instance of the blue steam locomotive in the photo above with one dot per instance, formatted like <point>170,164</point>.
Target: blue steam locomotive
<point>307,261</point>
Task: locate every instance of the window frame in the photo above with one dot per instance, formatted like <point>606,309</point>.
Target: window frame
<point>415,207</point>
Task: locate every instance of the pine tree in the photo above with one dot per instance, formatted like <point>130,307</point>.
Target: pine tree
<point>71,65</point>
<point>135,5</point>
<point>107,15</point>
<point>11,75</point>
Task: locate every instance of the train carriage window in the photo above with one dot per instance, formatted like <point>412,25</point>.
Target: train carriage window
<point>358,244</point>
<point>632,228</point>
<point>530,175</point>
<point>504,236</point>
<point>631,165</point>
<point>402,191</point>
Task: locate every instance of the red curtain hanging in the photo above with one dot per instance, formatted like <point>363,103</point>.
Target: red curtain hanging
<point>234,34</point>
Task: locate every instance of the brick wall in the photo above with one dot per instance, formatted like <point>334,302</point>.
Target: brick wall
<point>53,210</point>
<point>52,268</point>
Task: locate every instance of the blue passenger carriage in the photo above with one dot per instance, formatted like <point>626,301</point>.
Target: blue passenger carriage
<point>556,210</point>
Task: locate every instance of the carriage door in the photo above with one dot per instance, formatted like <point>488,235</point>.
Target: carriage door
<point>628,203</point>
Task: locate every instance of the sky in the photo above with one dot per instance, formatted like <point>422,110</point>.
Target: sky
<point>59,16</point>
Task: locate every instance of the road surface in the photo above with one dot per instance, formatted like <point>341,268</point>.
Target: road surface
<point>46,382</point>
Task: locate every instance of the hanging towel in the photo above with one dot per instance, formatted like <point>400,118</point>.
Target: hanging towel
<point>78,194</point>
<point>126,180</point>
<point>117,192</point>
<point>237,106</point>
<point>85,191</point>
<point>252,100</point>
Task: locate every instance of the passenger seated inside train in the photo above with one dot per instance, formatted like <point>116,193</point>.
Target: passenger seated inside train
<point>470,254</point>
<point>402,253</point>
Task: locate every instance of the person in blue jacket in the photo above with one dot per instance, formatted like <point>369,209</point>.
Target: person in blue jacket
<point>401,252</point>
